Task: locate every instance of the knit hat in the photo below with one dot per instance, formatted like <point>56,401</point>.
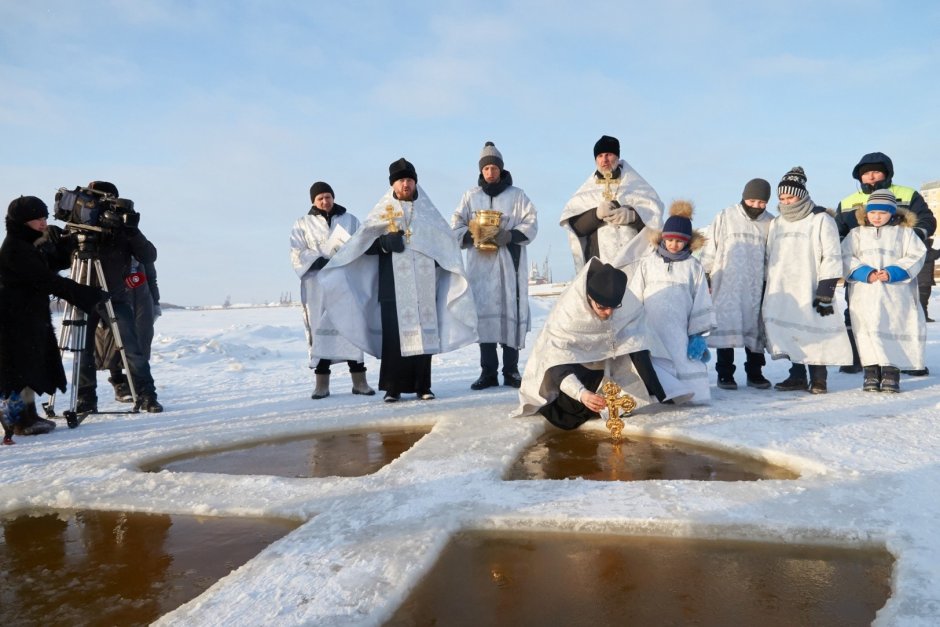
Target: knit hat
<point>607,144</point>
<point>606,284</point>
<point>490,156</point>
<point>320,188</point>
<point>756,189</point>
<point>26,208</point>
<point>882,200</point>
<point>401,169</point>
<point>793,182</point>
<point>679,223</point>
<point>105,187</point>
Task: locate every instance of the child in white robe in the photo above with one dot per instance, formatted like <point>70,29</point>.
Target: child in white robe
<point>881,259</point>
<point>671,284</point>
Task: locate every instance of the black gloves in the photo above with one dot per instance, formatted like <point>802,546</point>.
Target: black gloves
<point>393,242</point>
<point>823,306</point>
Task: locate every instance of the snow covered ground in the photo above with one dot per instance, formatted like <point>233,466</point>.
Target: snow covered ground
<point>869,465</point>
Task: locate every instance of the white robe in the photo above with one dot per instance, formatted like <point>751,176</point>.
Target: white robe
<point>733,256</point>
<point>436,313</point>
<point>677,304</point>
<point>573,334</point>
<point>799,255</point>
<point>887,319</point>
<point>617,245</point>
<point>500,290</point>
<point>312,238</point>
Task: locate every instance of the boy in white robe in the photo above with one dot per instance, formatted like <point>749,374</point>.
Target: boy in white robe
<point>881,259</point>
<point>671,284</point>
<point>733,258</point>
<point>804,264</point>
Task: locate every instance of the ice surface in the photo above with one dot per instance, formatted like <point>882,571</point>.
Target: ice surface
<point>869,466</point>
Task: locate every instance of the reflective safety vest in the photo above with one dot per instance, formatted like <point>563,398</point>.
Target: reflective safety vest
<point>902,194</point>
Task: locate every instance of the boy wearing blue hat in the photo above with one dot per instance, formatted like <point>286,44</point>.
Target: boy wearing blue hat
<point>881,259</point>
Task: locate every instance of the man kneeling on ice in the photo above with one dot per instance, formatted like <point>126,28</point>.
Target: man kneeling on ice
<point>597,329</point>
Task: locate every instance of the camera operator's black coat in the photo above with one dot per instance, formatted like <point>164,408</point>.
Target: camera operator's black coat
<point>29,354</point>
<point>115,251</point>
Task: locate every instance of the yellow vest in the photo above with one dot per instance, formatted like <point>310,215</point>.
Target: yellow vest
<point>902,194</point>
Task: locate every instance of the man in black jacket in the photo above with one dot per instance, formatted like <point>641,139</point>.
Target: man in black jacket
<point>117,249</point>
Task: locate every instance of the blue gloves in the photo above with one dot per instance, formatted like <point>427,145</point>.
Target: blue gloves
<point>698,349</point>
<point>896,274</point>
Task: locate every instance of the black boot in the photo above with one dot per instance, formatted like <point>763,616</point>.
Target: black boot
<point>485,381</point>
<point>795,382</point>
<point>817,380</point>
<point>724,366</point>
<point>890,379</point>
<point>122,389</point>
<point>872,382</point>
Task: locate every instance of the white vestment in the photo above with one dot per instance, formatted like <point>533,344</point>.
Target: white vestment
<point>312,238</point>
<point>500,289</point>
<point>733,256</point>
<point>887,319</point>
<point>573,334</point>
<point>618,245</point>
<point>436,313</point>
<point>799,255</point>
<point>677,304</point>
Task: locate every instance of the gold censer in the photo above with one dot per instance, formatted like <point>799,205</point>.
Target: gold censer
<point>487,226</point>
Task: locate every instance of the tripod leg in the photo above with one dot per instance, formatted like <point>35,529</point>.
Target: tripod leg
<point>116,332</point>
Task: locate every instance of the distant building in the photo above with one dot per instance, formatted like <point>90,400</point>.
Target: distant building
<point>931,193</point>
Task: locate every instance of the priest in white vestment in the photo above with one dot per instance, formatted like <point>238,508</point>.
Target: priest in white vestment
<point>397,288</point>
<point>596,329</point>
<point>609,210</point>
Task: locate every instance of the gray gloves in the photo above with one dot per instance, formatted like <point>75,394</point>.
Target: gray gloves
<point>611,212</point>
<point>503,238</point>
<point>606,209</point>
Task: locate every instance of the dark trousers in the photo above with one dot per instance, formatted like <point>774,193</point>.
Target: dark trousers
<point>323,366</point>
<point>569,413</point>
<point>724,363</point>
<point>138,364</point>
<point>816,373</point>
<point>489,362</point>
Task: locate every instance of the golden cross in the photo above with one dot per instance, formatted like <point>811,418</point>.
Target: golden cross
<point>390,215</point>
<point>615,403</point>
<point>608,181</point>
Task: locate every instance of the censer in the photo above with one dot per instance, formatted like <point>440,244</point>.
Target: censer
<point>488,221</point>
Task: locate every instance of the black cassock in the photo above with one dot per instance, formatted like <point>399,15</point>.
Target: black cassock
<point>397,374</point>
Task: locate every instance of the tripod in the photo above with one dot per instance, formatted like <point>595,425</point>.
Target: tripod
<point>75,321</point>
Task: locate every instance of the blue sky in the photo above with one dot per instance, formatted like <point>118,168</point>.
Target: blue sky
<point>216,117</point>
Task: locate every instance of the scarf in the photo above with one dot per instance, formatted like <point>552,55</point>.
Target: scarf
<point>752,213</point>
<point>798,210</point>
<point>669,257</point>
<point>498,187</point>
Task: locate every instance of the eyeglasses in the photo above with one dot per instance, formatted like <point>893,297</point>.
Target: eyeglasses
<point>597,305</point>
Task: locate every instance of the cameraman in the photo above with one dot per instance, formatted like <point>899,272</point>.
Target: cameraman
<point>145,299</point>
<point>118,247</point>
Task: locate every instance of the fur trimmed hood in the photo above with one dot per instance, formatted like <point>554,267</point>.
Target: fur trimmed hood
<point>680,209</point>
<point>903,217</point>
